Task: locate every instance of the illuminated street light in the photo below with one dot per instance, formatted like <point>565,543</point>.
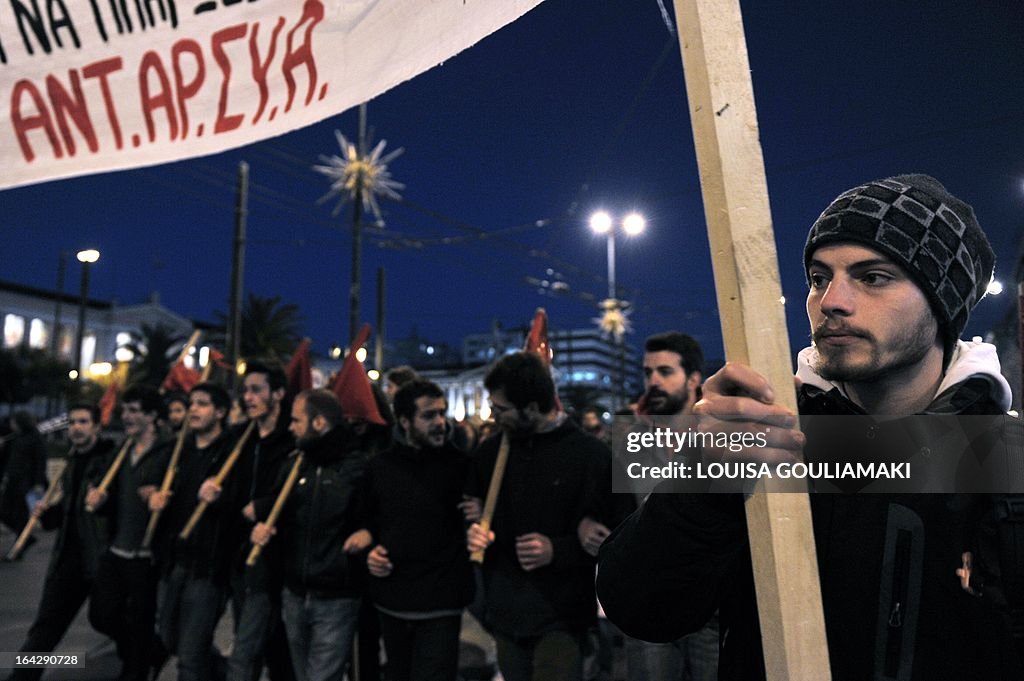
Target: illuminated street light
<point>994,288</point>
<point>601,222</point>
<point>87,258</point>
<point>613,320</point>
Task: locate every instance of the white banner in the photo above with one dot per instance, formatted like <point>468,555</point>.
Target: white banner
<point>94,85</point>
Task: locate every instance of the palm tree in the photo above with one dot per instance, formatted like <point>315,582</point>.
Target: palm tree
<point>155,348</point>
<point>270,328</point>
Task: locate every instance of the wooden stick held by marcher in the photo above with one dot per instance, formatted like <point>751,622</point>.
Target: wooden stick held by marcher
<point>747,284</point>
<point>282,497</point>
<point>48,497</point>
<point>492,493</point>
<point>172,465</point>
<point>172,469</point>
<point>114,468</point>
<point>222,474</point>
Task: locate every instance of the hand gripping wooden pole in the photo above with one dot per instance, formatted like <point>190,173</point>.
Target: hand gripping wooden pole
<point>282,497</point>
<point>492,493</point>
<point>172,465</point>
<point>51,493</point>
<point>172,470</point>
<point>734,187</point>
<point>222,474</point>
<point>108,477</point>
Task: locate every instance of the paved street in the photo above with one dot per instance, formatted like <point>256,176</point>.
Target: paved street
<point>21,585</point>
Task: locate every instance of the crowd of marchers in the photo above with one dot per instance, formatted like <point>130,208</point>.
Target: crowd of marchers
<point>313,525</point>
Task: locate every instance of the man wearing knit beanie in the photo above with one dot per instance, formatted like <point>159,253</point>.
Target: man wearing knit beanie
<point>894,268</point>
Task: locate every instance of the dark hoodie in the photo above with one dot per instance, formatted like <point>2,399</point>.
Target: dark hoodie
<point>322,511</point>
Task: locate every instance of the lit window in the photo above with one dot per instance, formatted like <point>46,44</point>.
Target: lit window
<point>14,330</point>
<point>38,335</point>
<point>88,350</point>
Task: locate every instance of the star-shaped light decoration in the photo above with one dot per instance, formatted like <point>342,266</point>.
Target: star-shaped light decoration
<point>615,320</point>
<point>355,176</point>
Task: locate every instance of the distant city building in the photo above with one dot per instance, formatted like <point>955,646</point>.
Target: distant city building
<point>484,348</point>
<point>28,315</point>
<point>593,368</point>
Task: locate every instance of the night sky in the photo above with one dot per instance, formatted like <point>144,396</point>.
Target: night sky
<point>511,145</point>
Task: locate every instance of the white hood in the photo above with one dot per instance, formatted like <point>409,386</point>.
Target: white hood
<point>969,359</point>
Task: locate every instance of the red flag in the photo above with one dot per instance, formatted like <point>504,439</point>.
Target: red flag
<point>180,378</point>
<point>352,385</point>
<point>298,373</point>
<point>108,402</point>
<point>217,357</point>
<point>537,340</point>
<point>537,343</point>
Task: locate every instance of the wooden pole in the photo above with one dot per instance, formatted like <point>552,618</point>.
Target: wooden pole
<point>114,468</point>
<point>282,497</point>
<point>222,474</point>
<point>492,493</point>
<point>172,469</point>
<point>733,184</point>
<point>26,532</point>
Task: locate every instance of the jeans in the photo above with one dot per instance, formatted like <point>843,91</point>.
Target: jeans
<point>190,608</point>
<point>552,656</point>
<point>319,634</point>
<point>259,636</point>
<point>422,650</point>
<point>693,657</point>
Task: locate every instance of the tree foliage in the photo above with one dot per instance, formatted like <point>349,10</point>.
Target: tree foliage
<point>270,328</point>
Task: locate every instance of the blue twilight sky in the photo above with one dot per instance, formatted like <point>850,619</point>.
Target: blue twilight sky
<point>510,145</point>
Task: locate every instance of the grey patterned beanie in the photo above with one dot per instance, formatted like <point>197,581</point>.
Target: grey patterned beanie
<point>932,234</point>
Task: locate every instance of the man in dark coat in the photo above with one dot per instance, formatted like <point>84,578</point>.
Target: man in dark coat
<point>911,583</point>
<point>123,601</point>
<point>539,582</point>
<point>317,530</point>
<point>81,539</point>
<point>420,571</point>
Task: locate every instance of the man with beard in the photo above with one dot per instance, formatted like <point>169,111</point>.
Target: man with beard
<point>256,590</point>
<point>421,576</point>
<point>195,571</point>
<point>914,586</point>
<point>320,602</point>
<point>673,370</point>
<point>123,602</point>
<point>81,538</point>
<point>539,582</point>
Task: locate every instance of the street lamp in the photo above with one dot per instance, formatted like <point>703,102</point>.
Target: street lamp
<point>87,258</point>
<point>602,223</point>
<point>613,320</point>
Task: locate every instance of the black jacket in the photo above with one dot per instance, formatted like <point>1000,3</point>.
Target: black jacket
<point>412,498</point>
<point>83,536</point>
<point>551,482</point>
<point>210,547</point>
<point>263,464</point>
<point>320,514</point>
<point>894,607</point>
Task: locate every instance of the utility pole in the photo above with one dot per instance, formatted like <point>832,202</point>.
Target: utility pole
<point>378,353</point>
<point>238,271</point>
<point>357,235</point>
